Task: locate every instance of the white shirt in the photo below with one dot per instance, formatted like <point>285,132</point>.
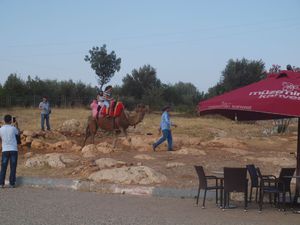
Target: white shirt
<point>8,135</point>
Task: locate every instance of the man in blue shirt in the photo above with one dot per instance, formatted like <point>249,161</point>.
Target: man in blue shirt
<point>44,106</point>
<point>8,135</point>
<point>165,127</point>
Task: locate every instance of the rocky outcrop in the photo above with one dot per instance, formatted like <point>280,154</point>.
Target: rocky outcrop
<point>54,160</point>
<point>129,175</point>
<point>71,126</point>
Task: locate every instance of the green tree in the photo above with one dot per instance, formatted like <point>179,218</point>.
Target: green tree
<point>242,72</point>
<point>105,65</point>
<point>14,86</point>
<point>140,82</point>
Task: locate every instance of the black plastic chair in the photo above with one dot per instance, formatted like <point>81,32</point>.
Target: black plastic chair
<point>276,186</point>
<point>254,180</point>
<point>235,180</point>
<point>203,184</point>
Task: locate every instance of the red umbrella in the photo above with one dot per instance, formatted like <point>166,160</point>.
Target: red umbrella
<point>276,97</point>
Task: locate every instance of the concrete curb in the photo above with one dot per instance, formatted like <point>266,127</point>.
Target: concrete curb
<point>85,185</point>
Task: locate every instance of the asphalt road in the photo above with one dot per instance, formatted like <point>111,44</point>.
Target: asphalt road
<point>41,206</point>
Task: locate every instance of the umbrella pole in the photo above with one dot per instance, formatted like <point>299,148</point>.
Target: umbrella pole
<point>298,165</point>
<point>298,152</point>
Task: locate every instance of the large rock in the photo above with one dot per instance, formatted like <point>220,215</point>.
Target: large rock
<point>38,144</point>
<point>108,163</point>
<point>29,133</point>
<point>71,126</point>
<point>36,161</point>
<point>62,145</point>
<point>129,175</point>
<point>104,147</point>
<point>54,160</point>
<point>141,143</point>
<point>89,151</point>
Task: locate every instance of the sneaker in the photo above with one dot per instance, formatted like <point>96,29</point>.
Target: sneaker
<point>2,186</point>
<point>12,186</point>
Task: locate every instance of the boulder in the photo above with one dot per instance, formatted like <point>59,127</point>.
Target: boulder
<point>76,148</point>
<point>69,159</point>
<point>54,160</point>
<point>129,175</point>
<point>62,145</point>
<point>36,161</point>
<point>71,126</point>
<point>29,133</point>
<point>89,151</point>
<point>38,144</point>
<point>108,163</point>
<point>104,147</point>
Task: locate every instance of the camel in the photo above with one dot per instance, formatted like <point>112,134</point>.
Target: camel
<point>115,125</point>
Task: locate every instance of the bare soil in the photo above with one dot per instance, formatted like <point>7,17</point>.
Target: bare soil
<point>215,143</point>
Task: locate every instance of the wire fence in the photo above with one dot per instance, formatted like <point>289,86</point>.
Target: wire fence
<point>34,101</point>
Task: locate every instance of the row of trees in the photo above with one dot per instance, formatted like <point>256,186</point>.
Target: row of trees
<point>141,85</point>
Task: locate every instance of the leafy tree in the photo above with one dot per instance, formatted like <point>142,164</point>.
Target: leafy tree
<point>105,65</point>
<point>240,73</point>
<point>140,82</point>
<point>14,85</point>
<point>275,68</point>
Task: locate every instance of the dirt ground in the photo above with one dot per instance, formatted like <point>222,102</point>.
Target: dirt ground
<point>213,142</point>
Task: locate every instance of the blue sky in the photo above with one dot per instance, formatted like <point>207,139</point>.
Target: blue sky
<point>189,41</point>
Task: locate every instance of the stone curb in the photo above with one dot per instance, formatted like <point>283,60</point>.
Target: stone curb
<point>85,185</point>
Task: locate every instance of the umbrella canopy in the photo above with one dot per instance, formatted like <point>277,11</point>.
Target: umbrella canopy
<point>276,97</point>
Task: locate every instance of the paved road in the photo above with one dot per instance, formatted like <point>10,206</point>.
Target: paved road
<point>59,207</point>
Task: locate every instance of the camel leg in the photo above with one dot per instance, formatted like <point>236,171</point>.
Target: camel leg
<point>115,140</point>
<point>90,130</point>
<point>87,134</point>
<point>126,136</point>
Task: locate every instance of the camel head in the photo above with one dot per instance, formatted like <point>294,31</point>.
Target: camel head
<point>141,111</point>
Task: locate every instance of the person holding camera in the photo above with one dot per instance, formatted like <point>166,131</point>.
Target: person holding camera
<point>44,106</point>
<point>10,136</point>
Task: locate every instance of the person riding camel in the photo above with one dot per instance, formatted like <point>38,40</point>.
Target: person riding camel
<point>108,103</point>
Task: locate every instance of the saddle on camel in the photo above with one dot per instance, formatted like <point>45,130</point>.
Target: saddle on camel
<point>115,120</point>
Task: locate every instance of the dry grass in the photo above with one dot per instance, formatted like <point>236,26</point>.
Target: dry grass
<point>29,119</point>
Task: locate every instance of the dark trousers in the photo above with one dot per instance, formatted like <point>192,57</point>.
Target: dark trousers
<point>43,118</point>
<point>12,157</point>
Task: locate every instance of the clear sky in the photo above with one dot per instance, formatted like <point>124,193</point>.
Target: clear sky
<point>189,41</point>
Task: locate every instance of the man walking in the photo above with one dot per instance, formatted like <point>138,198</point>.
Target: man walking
<point>45,113</point>
<point>8,134</point>
<point>165,127</point>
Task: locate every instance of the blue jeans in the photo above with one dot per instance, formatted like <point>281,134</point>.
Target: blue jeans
<point>11,156</point>
<point>43,118</point>
<point>167,135</point>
